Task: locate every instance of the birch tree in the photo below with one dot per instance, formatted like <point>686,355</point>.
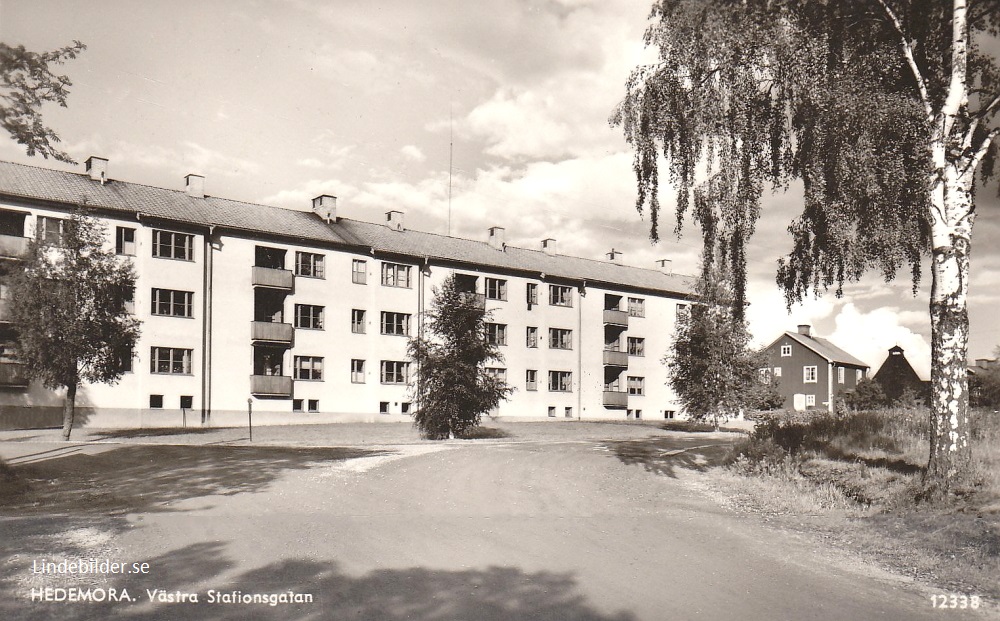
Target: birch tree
<point>883,110</point>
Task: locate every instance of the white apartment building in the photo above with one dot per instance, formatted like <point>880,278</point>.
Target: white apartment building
<point>305,315</point>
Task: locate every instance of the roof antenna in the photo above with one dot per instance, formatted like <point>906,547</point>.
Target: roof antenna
<point>451,149</point>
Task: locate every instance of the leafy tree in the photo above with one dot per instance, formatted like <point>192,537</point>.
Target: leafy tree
<point>26,82</point>
<point>882,109</point>
<point>454,389</point>
<point>867,395</point>
<point>710,365</point>
<point>68,307</point>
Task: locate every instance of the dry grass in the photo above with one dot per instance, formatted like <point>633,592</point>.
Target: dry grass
<point>858,478</point>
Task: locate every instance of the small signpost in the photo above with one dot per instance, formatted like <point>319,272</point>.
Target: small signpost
<point>250,416</point>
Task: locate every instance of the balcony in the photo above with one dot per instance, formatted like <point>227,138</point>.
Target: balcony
<point>271,385</point>
<point>4,311</point>
<point>13,247</point>
<point>614,317</point>
<point>12,375</point>
<point>272,278</point>
<point>473,299</point>
<point>615,358</point>
<point>270,332</point>
<point>615,399</point>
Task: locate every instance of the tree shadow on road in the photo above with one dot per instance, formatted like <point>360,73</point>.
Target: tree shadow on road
<point>491,594</point>
<point>151,432</point>
<point>664,455</point>
<point>151,477</point>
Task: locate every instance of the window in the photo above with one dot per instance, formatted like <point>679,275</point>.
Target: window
<point>497,373</point>
<point>638,414</point>
<point>809,375</point>
<point>636,385</point>
<point>297,405</point>
<point>858,375</point>
<point>156,402</point>
<point>531,338</point>
<point>383,407</point>
<point>840,375</point>
<point>169,245</point>
<point>552,411</point>
<point>404,407</point>
<point>359,272</point>
<point>309,316</point>
<point>568,412</point>
<point>636,307</point>
<point>560,381</point>
<point>560,295</point>
<point>395,372</point>
<point>810,400</point>
<point>786,350</point>
<point>496,333</point>
<point>531,379</point>
<point>130,300</point>
<point>125,241</point>
<point>313,405</point>
<point>50,230</point>
<point>127,359</point>
<point>764,375</point>
<point>532,293</point>
<point>395,275</point>
<point>560,338</point>
<point>187,402</point>
<point>683,311</point>
<point>357,321</point>
<point>395,323</point>
<point>310,265</point>
<point>170,303</point>
<point>308,368</point>
<point>496,289</point>
<point>669,414</point>
<point>170,360</point>
<point>357,371</point>
<point>777,371</point>
<point>636,346</point>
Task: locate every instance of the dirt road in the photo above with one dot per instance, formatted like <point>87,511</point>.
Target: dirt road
<point>495,531</point>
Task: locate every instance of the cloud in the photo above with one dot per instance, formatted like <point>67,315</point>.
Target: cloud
<point>868,335</point>
<point>412,152</point>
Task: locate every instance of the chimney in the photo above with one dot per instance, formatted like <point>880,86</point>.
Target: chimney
<point>549,246</point>
<point>615,256</point>
<point>497,238</point>
<point>394,219</point>
<point>325,206</point>
<point>194,185</point>
<point>805,329</point>
<point>97,168</point>
<point>665,266</point>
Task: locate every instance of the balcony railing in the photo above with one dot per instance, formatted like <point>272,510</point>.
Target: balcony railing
<point>4,311</point>
<point>615,318</point>
<point>271,385</point>
<point>273,278</point>
<point>476,300</point>
<point>269,332</point>
<point>13,247</point>
<point>615,358</point>
<point>615,399</point>
<point>12,375</point>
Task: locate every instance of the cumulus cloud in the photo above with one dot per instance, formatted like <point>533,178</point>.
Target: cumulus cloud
<point>413,152</point>
<point>868,335</point>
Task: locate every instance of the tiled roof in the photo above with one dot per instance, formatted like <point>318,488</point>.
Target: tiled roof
<point>35,183</point>
<point>76,188</point>
<point>826,349</point>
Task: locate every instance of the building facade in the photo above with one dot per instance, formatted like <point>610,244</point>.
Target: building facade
<point>811,372</point>
<point>304,315</point>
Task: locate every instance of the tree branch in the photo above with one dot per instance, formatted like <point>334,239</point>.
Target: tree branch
<point>910,60</point>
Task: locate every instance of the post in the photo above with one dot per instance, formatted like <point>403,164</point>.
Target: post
<point>250,416</point>
<point>184,418</point>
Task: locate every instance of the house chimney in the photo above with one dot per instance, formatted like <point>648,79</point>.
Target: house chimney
<point>394,219</point>
<point>805,329</point>
<point>549,246</point>
<point>97,168</point>
<point>497,238</point>
<point>325,206</point>
<point>194,185</point>
<point>615,256</point>
<point>666,266</point>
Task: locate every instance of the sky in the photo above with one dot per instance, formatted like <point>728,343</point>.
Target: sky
<point>387,105</point>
